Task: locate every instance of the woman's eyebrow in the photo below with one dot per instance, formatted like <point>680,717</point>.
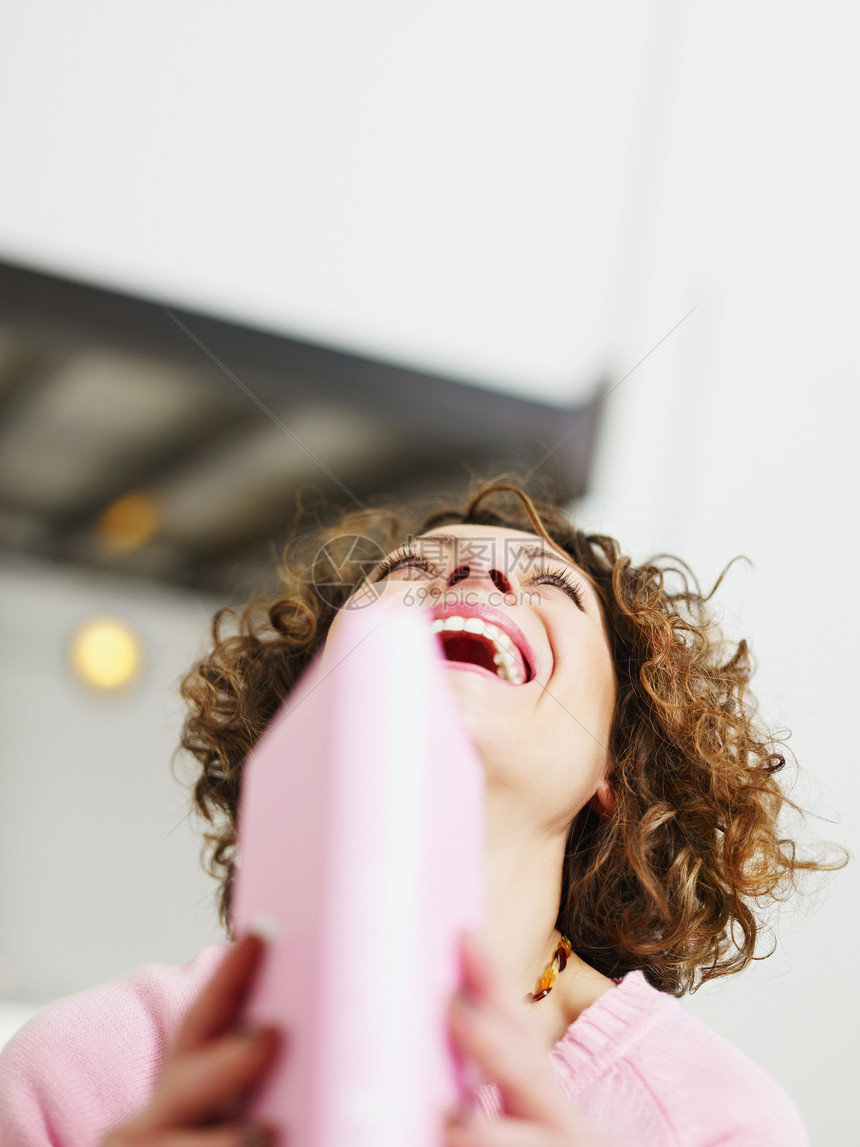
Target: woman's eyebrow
<point>545,552</point>
<point>448,539</point>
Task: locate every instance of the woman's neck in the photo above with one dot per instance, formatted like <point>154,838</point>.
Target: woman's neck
<point>522,890</point>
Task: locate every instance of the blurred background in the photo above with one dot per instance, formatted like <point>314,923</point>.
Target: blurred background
<point>369,250</point>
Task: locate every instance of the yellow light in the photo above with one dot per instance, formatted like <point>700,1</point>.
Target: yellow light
<point>105,653</point>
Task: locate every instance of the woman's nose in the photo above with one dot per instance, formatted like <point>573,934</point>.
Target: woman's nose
<point>465,571</point>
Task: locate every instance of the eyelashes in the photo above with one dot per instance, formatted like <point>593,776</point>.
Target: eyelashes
<point>403,557</point>
<point>562,579</point>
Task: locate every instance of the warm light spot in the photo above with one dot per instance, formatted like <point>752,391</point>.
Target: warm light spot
<point>129,522</point>
<point>105,653</point>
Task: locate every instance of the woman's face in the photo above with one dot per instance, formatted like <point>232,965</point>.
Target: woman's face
<point>527,656</point>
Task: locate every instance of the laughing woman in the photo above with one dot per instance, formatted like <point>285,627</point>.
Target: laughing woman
<point>632,843</point>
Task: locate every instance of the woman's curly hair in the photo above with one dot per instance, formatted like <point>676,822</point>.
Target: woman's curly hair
<point>677,879</point>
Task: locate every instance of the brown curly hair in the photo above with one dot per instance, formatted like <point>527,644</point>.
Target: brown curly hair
<point>677,880</point>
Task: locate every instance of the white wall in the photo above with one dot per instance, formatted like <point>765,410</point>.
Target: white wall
<point>525,193</point>
<point>98,863</point>
<point>738,436</point>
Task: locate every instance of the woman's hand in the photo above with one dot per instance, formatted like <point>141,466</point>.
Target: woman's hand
<point>489,1027</point>
<point>210,1068</point>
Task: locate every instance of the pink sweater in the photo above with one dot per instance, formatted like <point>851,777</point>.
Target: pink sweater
<point>640,1067</point>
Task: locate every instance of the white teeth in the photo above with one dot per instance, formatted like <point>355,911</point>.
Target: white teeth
<point>504,658</point>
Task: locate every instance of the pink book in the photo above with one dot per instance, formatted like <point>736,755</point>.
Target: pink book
<point>361,850</point>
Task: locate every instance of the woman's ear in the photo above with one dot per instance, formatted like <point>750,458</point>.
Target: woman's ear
<point>603,802</point>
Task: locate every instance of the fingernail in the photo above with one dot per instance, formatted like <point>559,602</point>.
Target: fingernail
<point>255,1135</point>
<point>460,1116</point>
<point>465,1002</point>
<point>475,945</point>
<point>471,1075</point>
<point>265,927</point>
<point>254,1035</point>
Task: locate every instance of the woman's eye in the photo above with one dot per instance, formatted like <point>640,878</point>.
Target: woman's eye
<point>402,561</point>
<point>561,579</point>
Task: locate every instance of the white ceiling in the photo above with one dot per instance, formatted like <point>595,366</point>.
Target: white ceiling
<point>450,186</point>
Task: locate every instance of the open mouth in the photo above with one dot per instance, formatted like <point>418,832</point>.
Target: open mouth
<point>472,641</point>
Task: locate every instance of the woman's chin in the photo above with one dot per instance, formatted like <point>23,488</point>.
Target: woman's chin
<point>483,701</point>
